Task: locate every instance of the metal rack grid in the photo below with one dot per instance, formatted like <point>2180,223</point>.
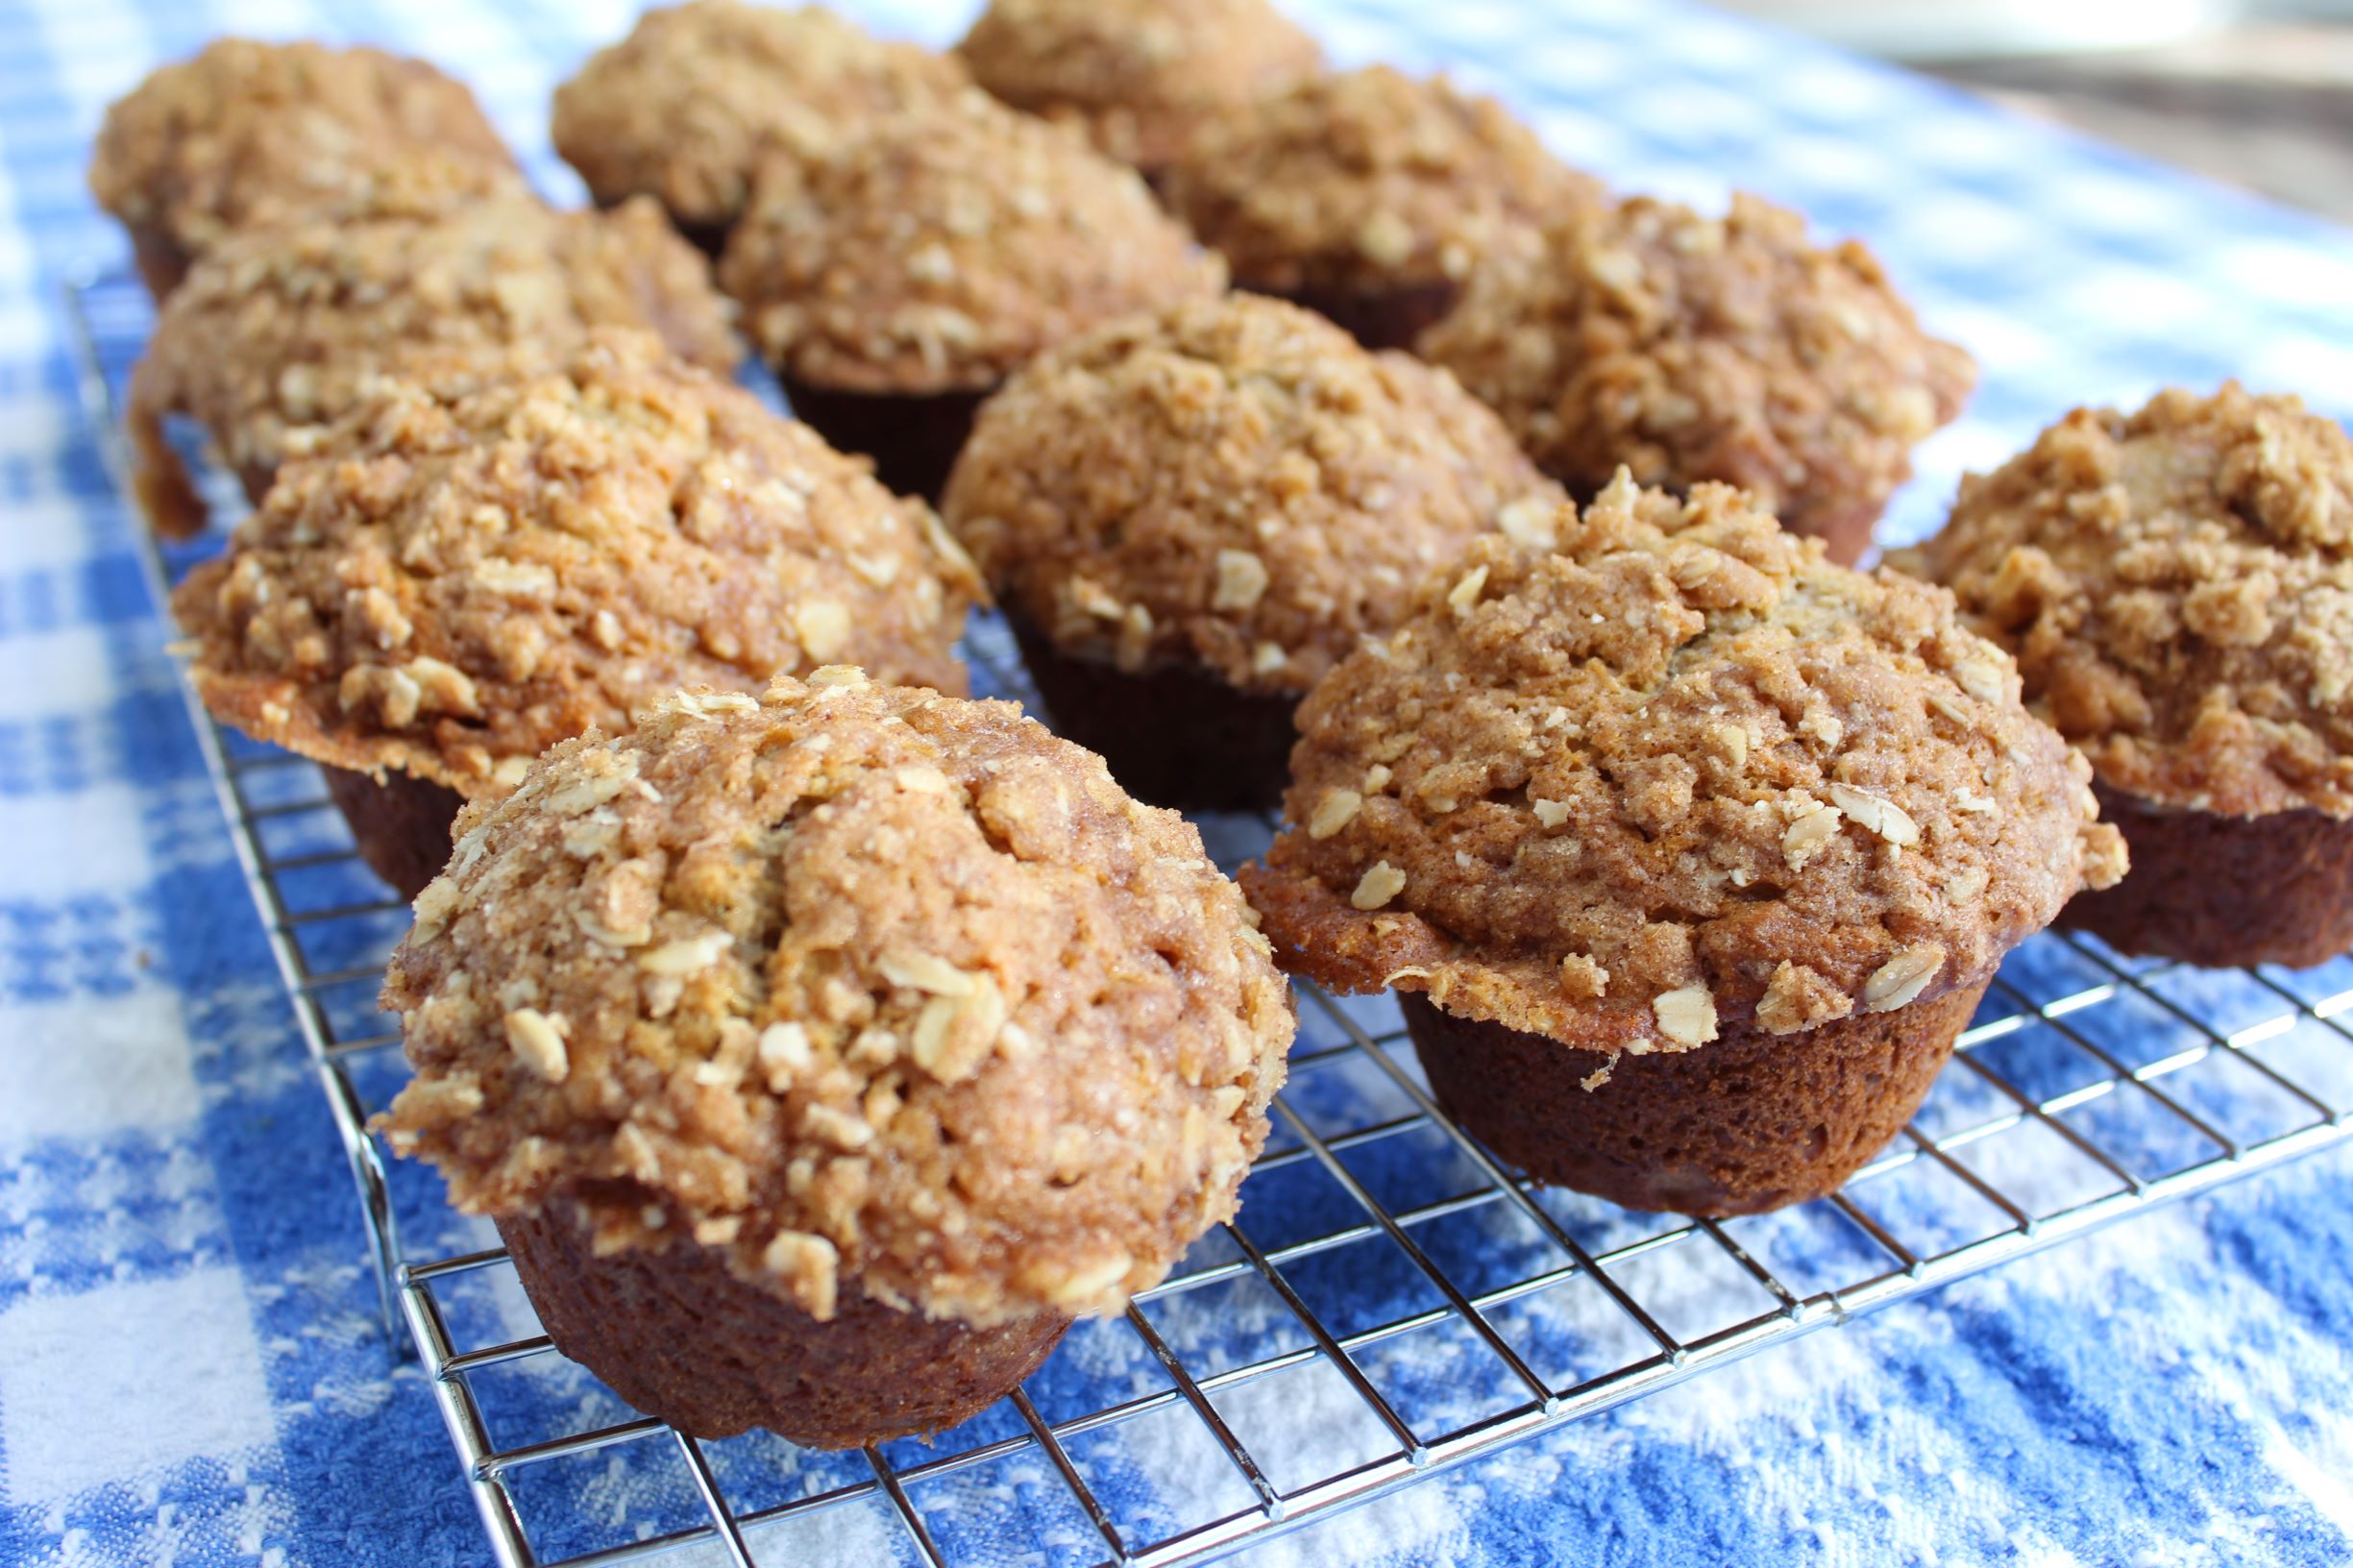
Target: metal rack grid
<point>2089,1089</point>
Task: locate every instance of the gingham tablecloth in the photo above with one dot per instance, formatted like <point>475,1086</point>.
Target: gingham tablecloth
<point>191,1366</point>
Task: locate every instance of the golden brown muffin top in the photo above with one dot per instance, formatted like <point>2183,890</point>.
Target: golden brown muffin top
<point>867,986</point>
<point>1366,182</point>
<point>1692,348</point>
<point>2177,585</point>
<point>1233,484</point>
<point>1137,74</point>
<point>685,107</point>
<point>249,132</point>
<point>938,252</point>
<point>1676,773</point>
<point>273,335</point>
<point>482,560</point>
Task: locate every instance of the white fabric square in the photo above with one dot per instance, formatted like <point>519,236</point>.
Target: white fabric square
<point>106,829</point>
<point>92,1066</point>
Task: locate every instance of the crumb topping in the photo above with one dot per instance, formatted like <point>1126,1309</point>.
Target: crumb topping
<point>688,105</point>
<point>1137,74</point>
<point>854,983</point>
<point>482,561</point>
<point>2177,584</point>
<point>1691,348</point>
<point>1242,473</point>
<point>941,251</point>
<point>249,132</point>
<point>1368,180</point>
<point>1676,773</point>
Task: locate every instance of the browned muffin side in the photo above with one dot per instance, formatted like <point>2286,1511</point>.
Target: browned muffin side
<point>2178,587</point>
<point>1137,74</point>
<point>884,1013</point>
<point>1678,780</point>
<point>249,132</point>
<point>686,107</point>
<point>1370,196</point>
<point>1690,348</point>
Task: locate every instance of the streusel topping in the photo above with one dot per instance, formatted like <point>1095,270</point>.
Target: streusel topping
<point>486,558</point>
<point>688,105</point>
<point>1137,74</point>
<point>1368,180</point>
<point>1676,771</point>
<point>2177,584</point>
<point>940,252</point>
<point>1691,348</point>
<point>1233,484</point>
<point>871,989</point>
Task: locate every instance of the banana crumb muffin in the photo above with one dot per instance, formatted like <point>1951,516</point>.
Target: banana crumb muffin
<point>1190,517</point>
<point>821,1055</point>
<point>1691,348</point>
<point>686,107</point>
<point>487,557</point>
<point>895,279</point>
<point>249,132</point>
<point>1137,74</point>
<point>1369,196</point>
<point>275,334</point>
<point>2178,588</point>
<point>1689,852</point>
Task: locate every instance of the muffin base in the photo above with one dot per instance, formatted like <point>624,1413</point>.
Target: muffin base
<point>1846,533</point>
<point>913,439</point>
<point>401,823</point>
<point>160,261</point>
<point>679,1337</point>
<point>1173,735</point>
<point>1386,318</point>
<point>1745,1123</point>
<point>2224,890</point>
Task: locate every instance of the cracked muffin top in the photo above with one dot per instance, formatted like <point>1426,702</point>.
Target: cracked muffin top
<point>1137,74</point>
<point>248,131</point>
<point>940,252</point>
<point>489,556</point>
<point>687,106</point>
<point>1675,772</point>
<point>877,992</point>
<point>1233,484</point>
<point>1366,182</point>
<point>1691,348</point>
<point>2177,585</point>
<point>273,336</point>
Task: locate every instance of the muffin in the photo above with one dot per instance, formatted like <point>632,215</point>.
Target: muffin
<point>1137,74</point>
<point>1190,517</point>
<point>686,107</point>
<point>1693,348</point>
<point>1369,197</point>
<point>2175,586</point>
<point>822,1055</point>
<point>277,332</point>
<point>1687,851</point>
<point>248,133</point>
<point>895,281</point>
<point>485,557</point>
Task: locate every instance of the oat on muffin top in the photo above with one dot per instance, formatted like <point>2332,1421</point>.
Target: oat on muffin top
<point>1692,348</point>
<point>1676,771</point>
<point>1367,182</point>
<point>938,252</point>
<point>2177,585</point>
<point>686,107</point>
<point>270,337</point>
<point>248,131</point>
<point>1139,74</point>
<point>1233,484</point>
<point>482,560</point>
<point>879,992</point>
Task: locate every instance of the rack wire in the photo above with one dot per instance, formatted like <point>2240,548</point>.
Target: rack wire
<point>1391,1300</point>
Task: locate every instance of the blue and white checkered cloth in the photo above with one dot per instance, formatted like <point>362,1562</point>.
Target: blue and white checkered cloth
<point>192,1370</point>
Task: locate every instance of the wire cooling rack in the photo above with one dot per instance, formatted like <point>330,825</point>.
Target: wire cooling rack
<point>1390,1301</point>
